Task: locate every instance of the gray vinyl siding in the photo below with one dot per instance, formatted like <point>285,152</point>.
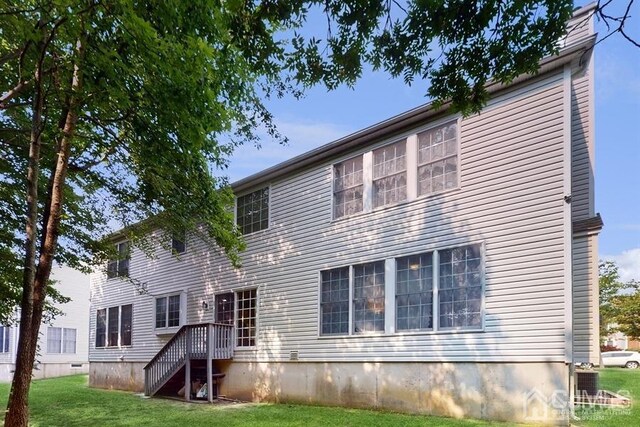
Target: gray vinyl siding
<point>510,199</point>
<point>582,187</point>
<point>585,300</point>
<point>580,26</point>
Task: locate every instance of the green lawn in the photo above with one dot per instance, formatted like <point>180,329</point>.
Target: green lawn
<point>615,380</point>
<point>68,401</point>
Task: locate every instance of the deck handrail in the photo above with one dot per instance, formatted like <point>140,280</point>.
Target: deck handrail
<point>193,341</point>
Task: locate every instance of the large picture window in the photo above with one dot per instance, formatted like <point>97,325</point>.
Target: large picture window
<point>113,326</point>
<point>119,265</point>
<point>431,291</point>
<point>460,287</point>
<point>334,303</point>
<point>390,174</point>
<point>368,297</point>
<point>347,187</point>
<point>414,292</point>
<point>252,211</point>
<point>438,159</point>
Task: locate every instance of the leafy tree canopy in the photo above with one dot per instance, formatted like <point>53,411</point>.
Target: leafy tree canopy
<point>619,302</point>
<point>161,82</point>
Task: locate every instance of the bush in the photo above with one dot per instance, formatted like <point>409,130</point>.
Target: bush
<point>604,348</point>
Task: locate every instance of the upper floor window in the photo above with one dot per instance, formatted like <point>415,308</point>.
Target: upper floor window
<point>419,165</point>
<point>347,187</point>
<point>252,211</point>
<point>178,245</point>
<point>119,265</point>
<point>390,174</point>
<point>169,311</point>
<point>438,159</point>
<point>113,326</point>
<point>5,338</point>
<point>61,340</point>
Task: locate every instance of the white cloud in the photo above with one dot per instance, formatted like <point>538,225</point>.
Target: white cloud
<point>303,136</point>
<point>628,264</point>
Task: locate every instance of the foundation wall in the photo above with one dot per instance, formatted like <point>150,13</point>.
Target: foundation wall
<point>521,392</point>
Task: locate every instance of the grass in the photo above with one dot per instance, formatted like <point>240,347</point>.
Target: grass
<point>68,401</point>
<point>615,380</point>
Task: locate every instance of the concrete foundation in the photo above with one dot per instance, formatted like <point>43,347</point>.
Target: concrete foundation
<point>520,392</point>
<point>117,375</point>
<point>46,370</point>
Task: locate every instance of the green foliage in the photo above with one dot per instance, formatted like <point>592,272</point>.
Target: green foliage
<point>628,311</point>
<point>619,302</point>
<point>67,402</point>
<point>170,88</point>
<point>610,285</point>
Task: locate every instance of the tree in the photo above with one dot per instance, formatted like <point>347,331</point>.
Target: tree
<point>610,286</point>
<point>114,111</point>
<point>628,313</point>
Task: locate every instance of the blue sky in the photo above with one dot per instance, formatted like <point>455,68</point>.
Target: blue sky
<point>322,117</point>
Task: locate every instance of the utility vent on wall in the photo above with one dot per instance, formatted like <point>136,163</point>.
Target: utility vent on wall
<point>293,355</point>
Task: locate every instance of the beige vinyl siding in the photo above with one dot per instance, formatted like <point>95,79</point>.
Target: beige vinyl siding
<point>510,199</point>
<point>585,300</point>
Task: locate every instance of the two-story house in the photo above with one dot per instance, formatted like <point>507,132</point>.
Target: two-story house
<point>429,263</point>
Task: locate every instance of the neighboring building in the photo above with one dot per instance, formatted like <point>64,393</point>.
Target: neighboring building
<point>429,263</point>
<point>63,348</point>
<point>621,341</point>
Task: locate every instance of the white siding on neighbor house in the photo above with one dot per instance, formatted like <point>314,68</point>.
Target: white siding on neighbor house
<point>510,199</point>
<point>75,285</point>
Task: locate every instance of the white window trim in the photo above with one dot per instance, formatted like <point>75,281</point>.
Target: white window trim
<point>6,338</point>
<point>62,336</point>
<point>235,316</point>
<point>106,329</point>
<point>235,210</point>
<point>411,141</point>
<point>183,313</point>
<point>390,295</point>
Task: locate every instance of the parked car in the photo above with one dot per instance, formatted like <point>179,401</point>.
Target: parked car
<point>628,359</point>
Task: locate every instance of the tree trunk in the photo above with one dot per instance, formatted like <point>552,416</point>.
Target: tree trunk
<point>35,280</point>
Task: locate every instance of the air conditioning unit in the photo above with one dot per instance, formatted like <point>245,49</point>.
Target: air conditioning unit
<point>587,383</point>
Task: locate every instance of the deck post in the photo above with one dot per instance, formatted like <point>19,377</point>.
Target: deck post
<point>187,367</point>
<point>210,344</point>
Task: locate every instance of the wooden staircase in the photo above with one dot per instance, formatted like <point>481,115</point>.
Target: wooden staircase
<point>202,342</point>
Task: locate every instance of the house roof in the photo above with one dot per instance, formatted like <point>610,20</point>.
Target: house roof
<point>403,121</point>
